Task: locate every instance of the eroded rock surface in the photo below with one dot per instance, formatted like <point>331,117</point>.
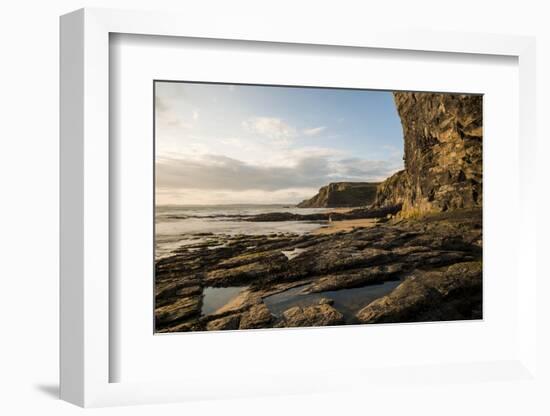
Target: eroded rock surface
<point>225,323</point>
<point>342,194</point>
<point>453,293</point>
<point>322,314</point>
<point>258,316</point>
<point>443,154</point>
<point>181,309</point>
<point>426,246</point>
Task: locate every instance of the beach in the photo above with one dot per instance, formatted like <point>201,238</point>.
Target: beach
<point>345,225</point>
<point>245,272</point>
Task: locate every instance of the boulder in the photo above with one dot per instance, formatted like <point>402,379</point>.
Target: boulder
<point>167,293</point>
<point>258,316</point>
<point>322,314</point>
<point>225,323</point>
<point>181,309</point>
<point>454,293</point>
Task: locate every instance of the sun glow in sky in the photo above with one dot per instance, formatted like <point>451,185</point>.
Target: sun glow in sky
<point>229,144</point>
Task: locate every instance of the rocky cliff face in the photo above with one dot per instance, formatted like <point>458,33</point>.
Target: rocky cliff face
<point>342,194</point>
<point>443,154</point>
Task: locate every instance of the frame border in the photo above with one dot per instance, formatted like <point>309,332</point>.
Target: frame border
<point>84,180</point>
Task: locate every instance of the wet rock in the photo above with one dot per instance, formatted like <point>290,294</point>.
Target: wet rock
<point>190,325</point>
<point>250,258</point>
<point>326,301</point>
<point>358,213</point>
<point>453,293</point>
<point>315,315</point>
<point>265,266</point>
<point>181,309</point>
<point>226,323</point>
<point>169,292</point>
<point>279,216</point>
<point>331,262</point>
<point>258,316</point>
<point>320,262</point>
<point>356,278</point>
<point>436,258</point>
<point>404,251</point>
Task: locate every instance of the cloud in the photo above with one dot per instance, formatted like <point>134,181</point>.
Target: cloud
<point>191,196</point>
<point>222,173</point>
<point>233,141</point>
<point>277,130</point>
<point>165,115</point>
<point>271,128</point>
<point>168,118</point>
<point>314,131</point>
<point>160,104</point>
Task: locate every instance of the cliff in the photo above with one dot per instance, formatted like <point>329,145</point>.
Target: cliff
<point>342,194</point>
<point>443,154</point>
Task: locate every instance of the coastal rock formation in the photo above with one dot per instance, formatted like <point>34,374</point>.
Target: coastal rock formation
<point>225,323</point>
<point>443,154</point>
<point>437,256</point>
<point>258,316</point>
<point>450,294</point>
<point>252,271</point>
<point>322,314</point>
<point>394,191</point>
<point>352,279</point>
<point>181,309</point>
<point>357,213</point>
<point>342,194</point>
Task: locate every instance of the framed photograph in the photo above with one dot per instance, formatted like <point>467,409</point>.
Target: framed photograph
<point>245,213</point>
<point>279,207</point>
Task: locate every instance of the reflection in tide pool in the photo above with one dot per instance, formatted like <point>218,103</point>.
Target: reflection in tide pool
<point>216,297</point>
<point>347,301</point>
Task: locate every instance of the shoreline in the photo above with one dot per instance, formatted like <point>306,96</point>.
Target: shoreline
<point>440,251</point>
<point>344,225</point>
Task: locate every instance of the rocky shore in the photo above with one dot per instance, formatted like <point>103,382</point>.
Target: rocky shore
<point>437,259</point>
<point>357,213</point>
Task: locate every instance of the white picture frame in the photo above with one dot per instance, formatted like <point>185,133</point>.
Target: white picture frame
<point>85,211</point>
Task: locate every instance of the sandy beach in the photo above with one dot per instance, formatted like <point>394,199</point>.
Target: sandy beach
<point>345,225</point>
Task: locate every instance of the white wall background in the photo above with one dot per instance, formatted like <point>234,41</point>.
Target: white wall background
<point>29,206</point>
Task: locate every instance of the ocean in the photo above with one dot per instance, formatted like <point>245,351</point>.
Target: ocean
<point>179,225</point>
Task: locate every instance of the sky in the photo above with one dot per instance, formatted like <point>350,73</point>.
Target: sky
<point>248,144</point>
